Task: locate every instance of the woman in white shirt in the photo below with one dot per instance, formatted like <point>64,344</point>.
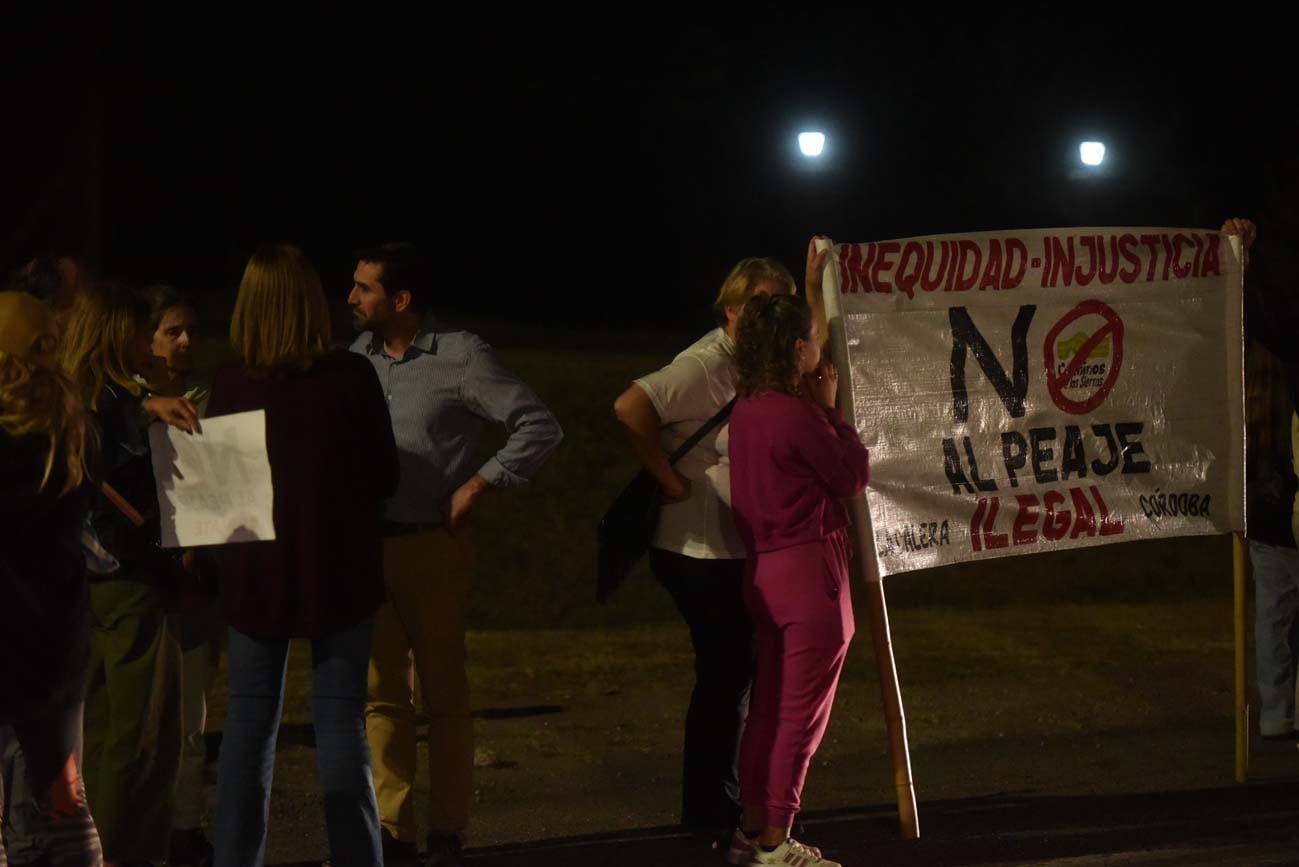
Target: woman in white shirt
<point>696,553</point>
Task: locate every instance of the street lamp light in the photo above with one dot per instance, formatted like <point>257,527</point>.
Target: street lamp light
<point>1092,153</point>
<point>811,143</point>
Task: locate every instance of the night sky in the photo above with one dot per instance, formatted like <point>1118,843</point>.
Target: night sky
<point>610,166</point>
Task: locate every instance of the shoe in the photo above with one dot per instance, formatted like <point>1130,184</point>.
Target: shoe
<point>792,853</point>
<point>741,848</point>
<point>444,850</point>
<point>189,847</point>
<point>397,853</point>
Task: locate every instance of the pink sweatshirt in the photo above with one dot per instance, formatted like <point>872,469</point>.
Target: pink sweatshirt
<point>792,462</point>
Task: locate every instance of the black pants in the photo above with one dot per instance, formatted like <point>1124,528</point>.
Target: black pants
<point>710,596</point>
<point>63,833</point>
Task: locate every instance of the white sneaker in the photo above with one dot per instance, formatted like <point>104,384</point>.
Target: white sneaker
<point>741,849</point>
<point>792,853</point>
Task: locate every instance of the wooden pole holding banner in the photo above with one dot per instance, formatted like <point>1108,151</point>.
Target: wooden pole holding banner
<point>891,695</point>
<point>1236,346</point>
<point>1242,687</point>
<point>877,608</point>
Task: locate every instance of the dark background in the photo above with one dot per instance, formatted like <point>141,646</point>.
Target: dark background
<point>609,166</point>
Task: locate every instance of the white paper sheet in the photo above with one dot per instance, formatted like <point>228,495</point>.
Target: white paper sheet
<point>215,487</point>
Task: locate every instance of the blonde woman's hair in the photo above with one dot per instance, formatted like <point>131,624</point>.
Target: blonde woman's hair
<point>95,345</point>
<point>281,318</point>
<point>738,286</point>
<point>39,399</point>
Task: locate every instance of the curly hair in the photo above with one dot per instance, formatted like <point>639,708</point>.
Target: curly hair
<point>766,335</point>
<point>36,397</point>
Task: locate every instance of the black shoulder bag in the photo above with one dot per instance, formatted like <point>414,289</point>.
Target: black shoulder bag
<point>627,528</point>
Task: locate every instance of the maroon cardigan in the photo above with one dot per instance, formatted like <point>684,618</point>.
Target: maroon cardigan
<point>333,463</point>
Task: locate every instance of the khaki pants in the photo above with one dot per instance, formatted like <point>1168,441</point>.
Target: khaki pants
<point>421,630</point>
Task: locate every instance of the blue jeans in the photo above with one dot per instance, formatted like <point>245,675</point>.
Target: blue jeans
<point>338,677</point>
<point>1276,634</point>
<point>51,812</point>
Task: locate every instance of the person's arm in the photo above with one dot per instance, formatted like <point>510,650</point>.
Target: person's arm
<point>812,280</point>
<point>641,423</point>
<point>532,431</point>
<point>828,445</point>
<point>1247,231</point>
<point>179,412</point>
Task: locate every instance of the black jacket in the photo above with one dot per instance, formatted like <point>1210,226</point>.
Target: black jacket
<point>44,610</point>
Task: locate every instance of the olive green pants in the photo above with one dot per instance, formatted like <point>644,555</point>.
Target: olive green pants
<point>133,720</point>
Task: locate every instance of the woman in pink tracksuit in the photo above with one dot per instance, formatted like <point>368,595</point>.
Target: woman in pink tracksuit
<point>793,461</point>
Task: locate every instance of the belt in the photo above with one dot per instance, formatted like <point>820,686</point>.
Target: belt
<point>402,528</point>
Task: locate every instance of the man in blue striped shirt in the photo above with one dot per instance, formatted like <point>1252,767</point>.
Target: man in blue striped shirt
<point>444,389</point>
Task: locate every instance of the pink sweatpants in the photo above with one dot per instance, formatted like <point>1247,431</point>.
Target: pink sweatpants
<point>799,601</point>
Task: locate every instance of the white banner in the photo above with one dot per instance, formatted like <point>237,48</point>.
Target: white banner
<point>214,487</point>
<point>1036,390</point>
